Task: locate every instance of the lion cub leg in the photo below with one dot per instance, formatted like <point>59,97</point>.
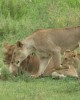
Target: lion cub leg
<point>77,65</point>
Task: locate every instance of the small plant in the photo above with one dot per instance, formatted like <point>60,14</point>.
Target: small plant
<point>4,73</point>
<point>24,76</point>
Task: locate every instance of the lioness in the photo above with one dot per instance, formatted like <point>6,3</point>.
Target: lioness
<point>31,64</point>
<point>47,44</point>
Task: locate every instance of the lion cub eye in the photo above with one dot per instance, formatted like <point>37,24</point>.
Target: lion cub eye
<point>74,55</point>
<point>66,59</point>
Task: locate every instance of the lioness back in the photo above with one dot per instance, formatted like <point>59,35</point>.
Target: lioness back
<point>66,38</point>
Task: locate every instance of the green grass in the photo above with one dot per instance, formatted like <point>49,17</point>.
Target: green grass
<point>40,89</point>
<point>18,19</point>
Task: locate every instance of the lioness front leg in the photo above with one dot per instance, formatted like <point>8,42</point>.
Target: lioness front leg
<point>57,59</point>
<point>43,65</point>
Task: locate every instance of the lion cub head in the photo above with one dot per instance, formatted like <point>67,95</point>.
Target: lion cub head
<point>69,57</point>
<point>72,58</point>
<point>7,53</point>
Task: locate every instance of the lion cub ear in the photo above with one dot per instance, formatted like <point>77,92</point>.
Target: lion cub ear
<point>5,45</point>
<point>19,44</point>
<point>66,52</point>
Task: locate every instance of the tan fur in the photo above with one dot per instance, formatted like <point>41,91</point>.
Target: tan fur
<point>7,53</point>
<point>72,58</point>
<point>31,64</point>
<point>71,71</point>
<point>47,43</point>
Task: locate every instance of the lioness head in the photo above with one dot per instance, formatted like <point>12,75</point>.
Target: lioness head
<point>20,53</point>
<point>30,64</point>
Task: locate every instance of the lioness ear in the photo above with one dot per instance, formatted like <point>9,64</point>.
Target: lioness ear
<point>19,44</point>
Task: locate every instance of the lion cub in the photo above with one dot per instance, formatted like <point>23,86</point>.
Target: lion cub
<point>72,58</point>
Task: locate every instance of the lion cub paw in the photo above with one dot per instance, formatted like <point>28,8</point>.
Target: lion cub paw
<point>34,76</point>
<point>56,75</point>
